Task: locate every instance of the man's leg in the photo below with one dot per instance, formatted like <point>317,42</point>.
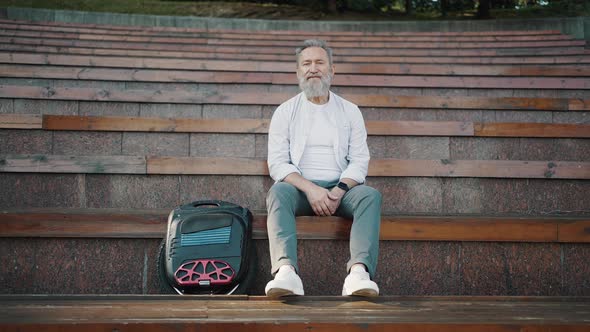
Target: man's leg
<point>363,204</point>
<point>283,203</point>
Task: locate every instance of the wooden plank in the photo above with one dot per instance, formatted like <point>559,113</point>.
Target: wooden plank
<point>244,126</point>
<point>85,223</point>
<point>140,326</point>
<point>563,59</point>
<point>480,168</point>
<point>470,229</point>
<point>260,126</point>
<point>20,121</point>
<point>386,313</point>
<point>126,223</point>
<point>479,103</point>
<point>248,166</point>
<point>574,50</point>
<point>92,123</point>
<point>89,67</point>
<point>261,35</point>
<point>574,231</point>
<point>72,164</point>
<point>508,129</point>
<point>153,40</point>
<point>242,98</point>
<point>274,77</point>
<point>206,166</point>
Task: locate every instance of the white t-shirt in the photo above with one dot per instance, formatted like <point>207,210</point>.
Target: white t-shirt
<point>318,161</point>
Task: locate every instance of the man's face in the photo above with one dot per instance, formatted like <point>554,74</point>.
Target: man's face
<point>314,72</point>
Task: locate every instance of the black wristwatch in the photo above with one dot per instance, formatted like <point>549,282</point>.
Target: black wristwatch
<point>343,186</point>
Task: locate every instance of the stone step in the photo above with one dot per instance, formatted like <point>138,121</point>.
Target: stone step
<point>408,268</point>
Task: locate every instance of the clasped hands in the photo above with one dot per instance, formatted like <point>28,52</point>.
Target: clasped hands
<point>324,202</point>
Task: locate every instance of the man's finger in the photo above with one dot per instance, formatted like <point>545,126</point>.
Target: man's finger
<point>326,209</point>
<point>317,209</point>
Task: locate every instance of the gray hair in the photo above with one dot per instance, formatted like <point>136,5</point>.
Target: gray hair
<point>314,43</point>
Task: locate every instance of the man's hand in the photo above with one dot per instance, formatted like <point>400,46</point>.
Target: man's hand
<point>334,199</point>
<point>318,198</point>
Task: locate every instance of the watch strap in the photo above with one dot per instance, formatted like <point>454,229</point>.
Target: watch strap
<point>343,186</point>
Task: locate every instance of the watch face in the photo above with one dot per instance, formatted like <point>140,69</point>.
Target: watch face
<point>343,186</point>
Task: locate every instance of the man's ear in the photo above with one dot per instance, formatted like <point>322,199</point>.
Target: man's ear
<point>333,69</point>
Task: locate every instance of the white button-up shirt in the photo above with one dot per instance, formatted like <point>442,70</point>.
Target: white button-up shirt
<point>289,129</point>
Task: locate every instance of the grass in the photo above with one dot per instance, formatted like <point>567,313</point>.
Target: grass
<point>269,11</point>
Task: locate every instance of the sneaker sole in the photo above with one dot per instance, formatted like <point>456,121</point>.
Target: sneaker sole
<point>366,292</point>
<point>279,292</point>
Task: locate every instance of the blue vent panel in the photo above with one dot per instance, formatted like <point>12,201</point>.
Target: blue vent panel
<point>210,236</point>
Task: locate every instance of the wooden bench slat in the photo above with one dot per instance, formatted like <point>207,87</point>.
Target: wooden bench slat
<point>89,67</point>
<point>564,59</point>
<point>454,80</point>
<point>386,167</point>
<point>21,121</point>
<point>248,166</point>
<point>340,45</point>
<point>260,126</point>
<point>321,313</point>
<point>274,98</point>
<point>261,35</point>
<point>284,51</point>
<point>479,168</point>
<point>574,231</point>
<point>206,166</point>
<point>72,164</point>
<point>177,125</point>
<point>118,223</point>
<point>531,130</point>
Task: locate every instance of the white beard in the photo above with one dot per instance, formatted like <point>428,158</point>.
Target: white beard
<point>316,88</point>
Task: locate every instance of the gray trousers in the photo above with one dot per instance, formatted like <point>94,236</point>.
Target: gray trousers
<point>362,204</point>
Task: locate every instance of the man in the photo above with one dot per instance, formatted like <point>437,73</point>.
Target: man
<point>318,156</point>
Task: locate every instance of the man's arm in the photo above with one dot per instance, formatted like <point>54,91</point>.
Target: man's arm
<point>358,158</point>
<point>335,195</point>
<point>279,159</point>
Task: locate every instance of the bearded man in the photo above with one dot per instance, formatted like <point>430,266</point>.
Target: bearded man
<point>318,156</point>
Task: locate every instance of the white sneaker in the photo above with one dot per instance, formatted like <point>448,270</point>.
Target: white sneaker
<point>286,282</point>
<point>359,283</point>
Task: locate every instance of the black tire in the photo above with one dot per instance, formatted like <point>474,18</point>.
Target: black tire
<point>242,288</point>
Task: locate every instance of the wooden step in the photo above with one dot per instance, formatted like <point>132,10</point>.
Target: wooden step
<point>129,223</point>
<point>401,49</point>
<point>563,59</point>
<point>261,35</point>
<point>260,126</point>
<point>450,76</point>
<point>242,313</point>
<point>117,164</point>
<point>340,45</point>
<point>49,65</point>
<point>276,98</point>
<point>575,47</point>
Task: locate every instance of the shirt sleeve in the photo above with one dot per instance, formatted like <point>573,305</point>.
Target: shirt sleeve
<point>279,157</point>
<point>358,152</point>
